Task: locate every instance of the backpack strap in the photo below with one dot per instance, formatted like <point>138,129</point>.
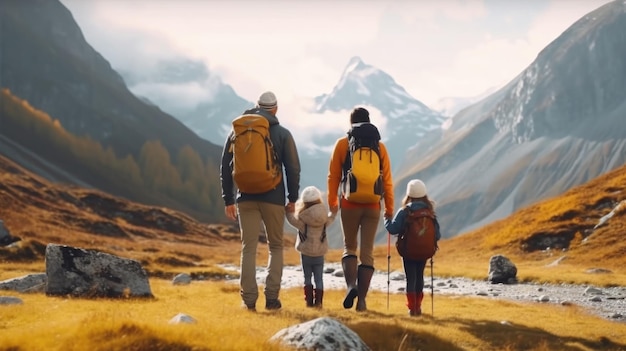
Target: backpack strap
<point>303,235</point>
<point>324,233</point>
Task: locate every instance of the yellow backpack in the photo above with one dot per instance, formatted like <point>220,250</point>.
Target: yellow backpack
<point>362,180</point>
<point>255,166</point>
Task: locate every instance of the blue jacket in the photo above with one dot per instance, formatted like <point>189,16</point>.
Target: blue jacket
<point>396,225</point>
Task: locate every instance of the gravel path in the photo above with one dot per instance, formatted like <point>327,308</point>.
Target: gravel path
<point>609,303</point>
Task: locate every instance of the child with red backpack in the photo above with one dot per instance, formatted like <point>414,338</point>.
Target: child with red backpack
<point>311,217</point>
<point>418,233</point>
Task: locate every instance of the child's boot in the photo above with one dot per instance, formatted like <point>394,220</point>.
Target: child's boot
<point>319,297</point>
<point>411,302</point>
<point>308,295</point>
<point>418,304</point>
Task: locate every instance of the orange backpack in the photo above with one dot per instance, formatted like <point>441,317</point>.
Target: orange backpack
<point>255,167</point>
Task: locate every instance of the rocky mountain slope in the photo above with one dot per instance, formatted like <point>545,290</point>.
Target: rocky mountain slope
<point>556,125</point>
<point>45,61</point>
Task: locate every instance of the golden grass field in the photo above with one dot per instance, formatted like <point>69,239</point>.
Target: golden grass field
<point>39,213</point>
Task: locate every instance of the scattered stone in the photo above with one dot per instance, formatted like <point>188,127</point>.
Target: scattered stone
<point>338,273</point>
<point>321,334</point>
<point>397,276</point>
<point>598,271</point>
<point>329,270</point>
<point>28,283</point>
<point>182,279</point>
<point>544,298</point>
<point>90,273</point>
<point>501,270</point>
<point>593,291</point>
<point>10,300</point>
<point>596,299</point>
<point>182,318</point>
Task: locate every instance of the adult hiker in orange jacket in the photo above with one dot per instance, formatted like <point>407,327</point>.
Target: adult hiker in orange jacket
<point>358,217</point>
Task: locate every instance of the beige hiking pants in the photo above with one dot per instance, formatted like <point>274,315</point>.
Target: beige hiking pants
<point>251,215</point>
<point>363,219</point>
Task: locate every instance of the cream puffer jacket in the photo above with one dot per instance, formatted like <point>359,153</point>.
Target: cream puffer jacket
<point>311,239</point>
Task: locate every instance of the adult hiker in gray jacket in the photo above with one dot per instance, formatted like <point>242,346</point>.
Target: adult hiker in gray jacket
<point>268,208</point>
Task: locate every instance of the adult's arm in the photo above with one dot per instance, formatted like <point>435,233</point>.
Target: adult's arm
<point>291,162</point>
<point>226,175</point>
<point>395,225</point>
<point>335,170</point>
<point>387,181</point>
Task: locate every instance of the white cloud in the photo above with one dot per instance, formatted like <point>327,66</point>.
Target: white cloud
<point>299,48</point>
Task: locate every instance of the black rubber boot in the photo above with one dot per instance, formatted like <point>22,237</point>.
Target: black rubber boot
<point>365,274</point>
<point>349,265</point>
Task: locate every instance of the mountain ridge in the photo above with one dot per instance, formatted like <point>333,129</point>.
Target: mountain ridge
<point>545,131</point>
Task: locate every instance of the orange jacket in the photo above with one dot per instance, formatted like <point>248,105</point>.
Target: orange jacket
<point>335,170</point>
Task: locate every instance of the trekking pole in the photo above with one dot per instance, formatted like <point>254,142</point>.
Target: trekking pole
<point>432,289</point>
<point>388,265</point>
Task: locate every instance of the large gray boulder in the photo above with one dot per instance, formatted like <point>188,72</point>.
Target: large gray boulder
<point>321,334</point>
<point>90,273</point>
<point>502,270</point>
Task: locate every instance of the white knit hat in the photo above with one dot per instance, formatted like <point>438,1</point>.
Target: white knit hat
<point>416,189</point>
<point>267,100</point>
<point>310,194</point>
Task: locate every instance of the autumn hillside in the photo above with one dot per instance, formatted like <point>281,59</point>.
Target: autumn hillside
<point>551,241</point>
<point>37,212</point>
<point>556,238</point>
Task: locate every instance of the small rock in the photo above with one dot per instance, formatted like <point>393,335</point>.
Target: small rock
<point>593,291</point>
<point>598,271</point>
<point>182,279</point>
<point>10,300</point>
<point>182,318</point>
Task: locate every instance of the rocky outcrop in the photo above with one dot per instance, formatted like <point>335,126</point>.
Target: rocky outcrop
<point>89,273</point>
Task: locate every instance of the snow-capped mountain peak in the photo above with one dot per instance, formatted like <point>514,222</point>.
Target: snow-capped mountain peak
<point>406,119</point>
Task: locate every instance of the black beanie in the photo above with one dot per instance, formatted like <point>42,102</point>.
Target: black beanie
<point>359,115</point>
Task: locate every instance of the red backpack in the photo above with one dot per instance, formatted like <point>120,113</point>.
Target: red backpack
<point>418,240</point>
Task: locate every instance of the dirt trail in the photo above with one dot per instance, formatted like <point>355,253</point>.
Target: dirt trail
<point>609,303</point>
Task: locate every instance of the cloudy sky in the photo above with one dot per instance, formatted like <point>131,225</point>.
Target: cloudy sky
<point>298,48</point>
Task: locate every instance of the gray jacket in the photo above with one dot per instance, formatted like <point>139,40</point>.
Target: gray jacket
<point>285,147</point>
